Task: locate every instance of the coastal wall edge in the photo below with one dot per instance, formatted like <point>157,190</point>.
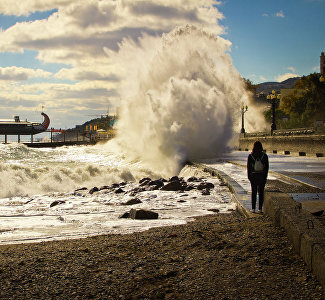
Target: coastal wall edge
<point>303,145</point>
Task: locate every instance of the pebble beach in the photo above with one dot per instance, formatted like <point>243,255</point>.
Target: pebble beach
<point>220,256</point>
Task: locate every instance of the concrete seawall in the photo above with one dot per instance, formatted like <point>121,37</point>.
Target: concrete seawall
<point>303,145</point>
<point>304,230</point>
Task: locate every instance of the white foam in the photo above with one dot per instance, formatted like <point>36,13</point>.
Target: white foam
<point>180,98</point>
<point>30,219</point>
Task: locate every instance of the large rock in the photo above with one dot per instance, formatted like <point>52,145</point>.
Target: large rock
<point>189,187</point>
<point>141,214</point>
<point>157,183</point>
<point>125,215</point>
<point>104,187</point>
<point>193,179</point>
<point>93,190</point>
<point>137,190</point>
<point>119,191</point>
<point>133,201</point>
<point>144,181</point>
<point>205,192</point>
<point>205,185</point>
<point>81,189</point>
<point>56,202</point>
<point>174,178</point>
<point>173,186</point>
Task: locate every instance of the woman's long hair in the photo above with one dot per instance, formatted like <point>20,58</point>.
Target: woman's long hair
<point>258,148</point>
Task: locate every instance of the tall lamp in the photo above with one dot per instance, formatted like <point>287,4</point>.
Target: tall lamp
<point>273,97</point>
<point>243,110</point>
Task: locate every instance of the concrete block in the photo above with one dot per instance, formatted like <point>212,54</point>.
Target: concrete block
<point>293,230</point>
<point>298,222</point>
<point>272,210</point>
<point>318,263</point>
<point>309,239</point>
<point>274,202</point>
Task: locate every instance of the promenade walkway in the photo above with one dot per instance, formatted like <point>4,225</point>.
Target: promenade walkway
<point>301,177</point>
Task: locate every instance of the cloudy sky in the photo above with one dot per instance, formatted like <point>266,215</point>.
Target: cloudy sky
<point>57,53</point>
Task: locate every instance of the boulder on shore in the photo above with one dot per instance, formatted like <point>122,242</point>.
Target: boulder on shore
<point>56,202</point>
<point>144,181</point>
<point>174,178</point>
<point>125,215</point>
<point>93,190</point>
<point>205,185</point>
<point>141,214</point>
<point>157,183</point>
<point>133,201</point>
<point>173,186</point>
<point>205,192</point>
<point>119,191</point>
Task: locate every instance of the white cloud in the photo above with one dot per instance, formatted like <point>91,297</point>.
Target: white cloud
<point>285,76</point>
<point>262,78</point>
<point>26,7</point>
<point>265,15</point>
<point>22,74</point>
<point>316,68</point>
<point>85,35</point>
<point>79,31</point>
<point>292,69</point>
<point>280,14</point>
<point>84,73</point>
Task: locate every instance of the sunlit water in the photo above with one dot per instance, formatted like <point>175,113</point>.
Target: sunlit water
<point>32,179</point>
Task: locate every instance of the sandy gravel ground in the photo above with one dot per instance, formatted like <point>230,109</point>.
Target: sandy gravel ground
<point>222,256</point>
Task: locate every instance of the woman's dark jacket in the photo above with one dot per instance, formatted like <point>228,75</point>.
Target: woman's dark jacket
<point>252,176</point>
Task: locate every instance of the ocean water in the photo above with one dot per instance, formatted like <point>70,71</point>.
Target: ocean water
<point>29,171</point>
<point>32,180</point>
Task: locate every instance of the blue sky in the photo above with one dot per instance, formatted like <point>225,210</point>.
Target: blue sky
<point>272,38</point>
<point>55,53</point>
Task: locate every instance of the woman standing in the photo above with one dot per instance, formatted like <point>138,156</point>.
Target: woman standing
<point>257,170</point>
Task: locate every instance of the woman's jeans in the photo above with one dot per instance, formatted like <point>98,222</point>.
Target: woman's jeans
<point>257,184</point>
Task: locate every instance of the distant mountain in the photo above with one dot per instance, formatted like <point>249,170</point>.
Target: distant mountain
<point>268,87</point>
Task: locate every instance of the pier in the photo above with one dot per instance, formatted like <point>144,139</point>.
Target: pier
<point>59,144</point>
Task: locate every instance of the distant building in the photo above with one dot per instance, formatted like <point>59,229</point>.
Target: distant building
<point>322,64</point>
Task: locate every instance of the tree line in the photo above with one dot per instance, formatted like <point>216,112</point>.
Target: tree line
<point>301,107</point>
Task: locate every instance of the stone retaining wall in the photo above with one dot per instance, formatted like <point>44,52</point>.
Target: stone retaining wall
<point>305,231</point>
<point>305,145</point>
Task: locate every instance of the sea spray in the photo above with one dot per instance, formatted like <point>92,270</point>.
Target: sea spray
<point>28,171</point>
<point>180,98</point>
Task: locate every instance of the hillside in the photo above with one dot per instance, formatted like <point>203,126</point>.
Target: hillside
<point>268,87</point>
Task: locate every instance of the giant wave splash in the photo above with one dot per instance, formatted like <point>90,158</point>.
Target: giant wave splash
<point>180,97</point>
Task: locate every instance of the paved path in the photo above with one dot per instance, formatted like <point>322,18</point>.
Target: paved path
<point>304,171</point>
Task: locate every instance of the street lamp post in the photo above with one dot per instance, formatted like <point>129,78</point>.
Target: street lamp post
<point>273,97</point>
<point>243,110</point>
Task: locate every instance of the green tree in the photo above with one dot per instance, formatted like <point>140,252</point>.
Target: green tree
<point>280,115</point>
<point>307,102</point>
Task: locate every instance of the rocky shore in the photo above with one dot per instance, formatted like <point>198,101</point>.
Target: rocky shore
<point>221,256</point>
